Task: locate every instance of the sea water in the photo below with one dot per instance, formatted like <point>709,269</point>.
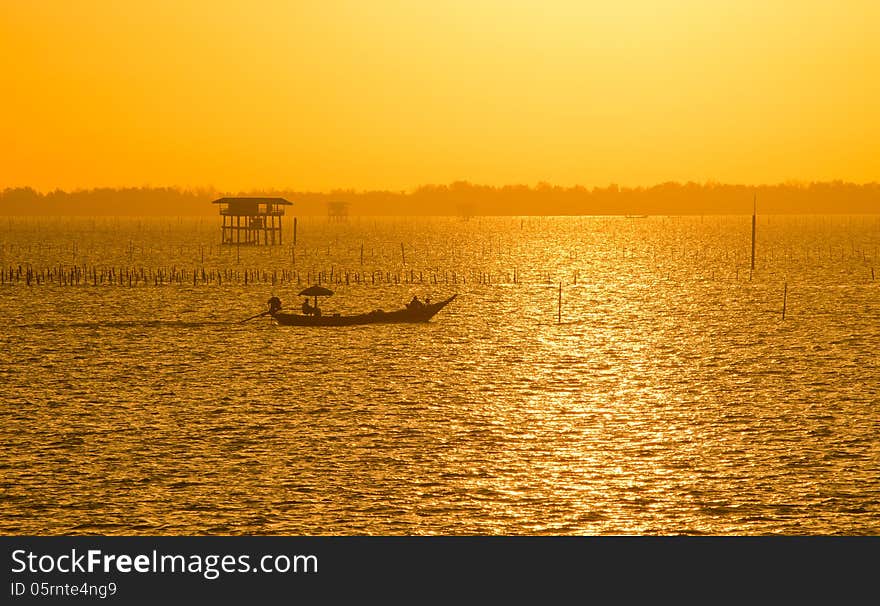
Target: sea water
<point>595,375</point>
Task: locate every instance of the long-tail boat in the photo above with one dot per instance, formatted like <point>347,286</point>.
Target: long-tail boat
<point>412,313</point>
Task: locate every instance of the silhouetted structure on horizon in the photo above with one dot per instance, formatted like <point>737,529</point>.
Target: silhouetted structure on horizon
<point>337,210</point>
<point>253,221</point>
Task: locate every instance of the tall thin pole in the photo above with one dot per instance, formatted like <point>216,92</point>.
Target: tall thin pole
<point>559,310</point>
<point>754,215</point>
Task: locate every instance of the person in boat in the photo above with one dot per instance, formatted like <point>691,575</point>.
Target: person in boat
<point>307,309</point>
<point>274,305</point>
<point>415,303</point>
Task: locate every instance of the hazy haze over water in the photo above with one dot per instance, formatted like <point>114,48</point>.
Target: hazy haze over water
<point>672,398</point>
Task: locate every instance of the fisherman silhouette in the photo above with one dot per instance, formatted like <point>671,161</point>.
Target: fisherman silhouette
<point>274,305</point>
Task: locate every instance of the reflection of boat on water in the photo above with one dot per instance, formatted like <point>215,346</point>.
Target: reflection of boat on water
<point>411,314</point>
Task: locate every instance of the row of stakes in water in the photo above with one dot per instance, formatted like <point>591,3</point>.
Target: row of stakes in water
<point>75,275</point>
<point>140,276</point>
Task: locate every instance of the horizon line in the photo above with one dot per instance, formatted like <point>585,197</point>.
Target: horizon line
<point>536,185</point>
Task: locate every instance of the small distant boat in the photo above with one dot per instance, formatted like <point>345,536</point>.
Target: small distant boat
<point>410,314</point>
<point>637,216</point>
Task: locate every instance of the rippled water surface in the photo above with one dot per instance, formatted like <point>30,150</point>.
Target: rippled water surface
<point>666,395</point>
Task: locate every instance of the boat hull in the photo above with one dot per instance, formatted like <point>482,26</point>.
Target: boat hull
<point>401,316</point>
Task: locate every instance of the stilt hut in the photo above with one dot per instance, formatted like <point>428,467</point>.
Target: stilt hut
<point>337,210</point>
<point>251,221</point>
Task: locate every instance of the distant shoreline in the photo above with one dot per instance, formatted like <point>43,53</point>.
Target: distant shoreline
<point>464,199</point>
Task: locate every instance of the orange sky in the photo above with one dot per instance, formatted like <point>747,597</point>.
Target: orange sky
<point>390,95</point>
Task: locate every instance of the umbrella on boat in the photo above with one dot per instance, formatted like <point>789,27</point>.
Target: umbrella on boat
<point>315,291</point>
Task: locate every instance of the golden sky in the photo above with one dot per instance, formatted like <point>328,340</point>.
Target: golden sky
<point>374,94</point>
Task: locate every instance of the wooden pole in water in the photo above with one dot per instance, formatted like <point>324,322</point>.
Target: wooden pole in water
<point>294,231</point>
<point>402,253</point>
<point>754,216</point>
<point>784,299</point>
<point>559,310</point>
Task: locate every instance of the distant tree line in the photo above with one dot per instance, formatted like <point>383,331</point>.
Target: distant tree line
<point>462,198</point>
